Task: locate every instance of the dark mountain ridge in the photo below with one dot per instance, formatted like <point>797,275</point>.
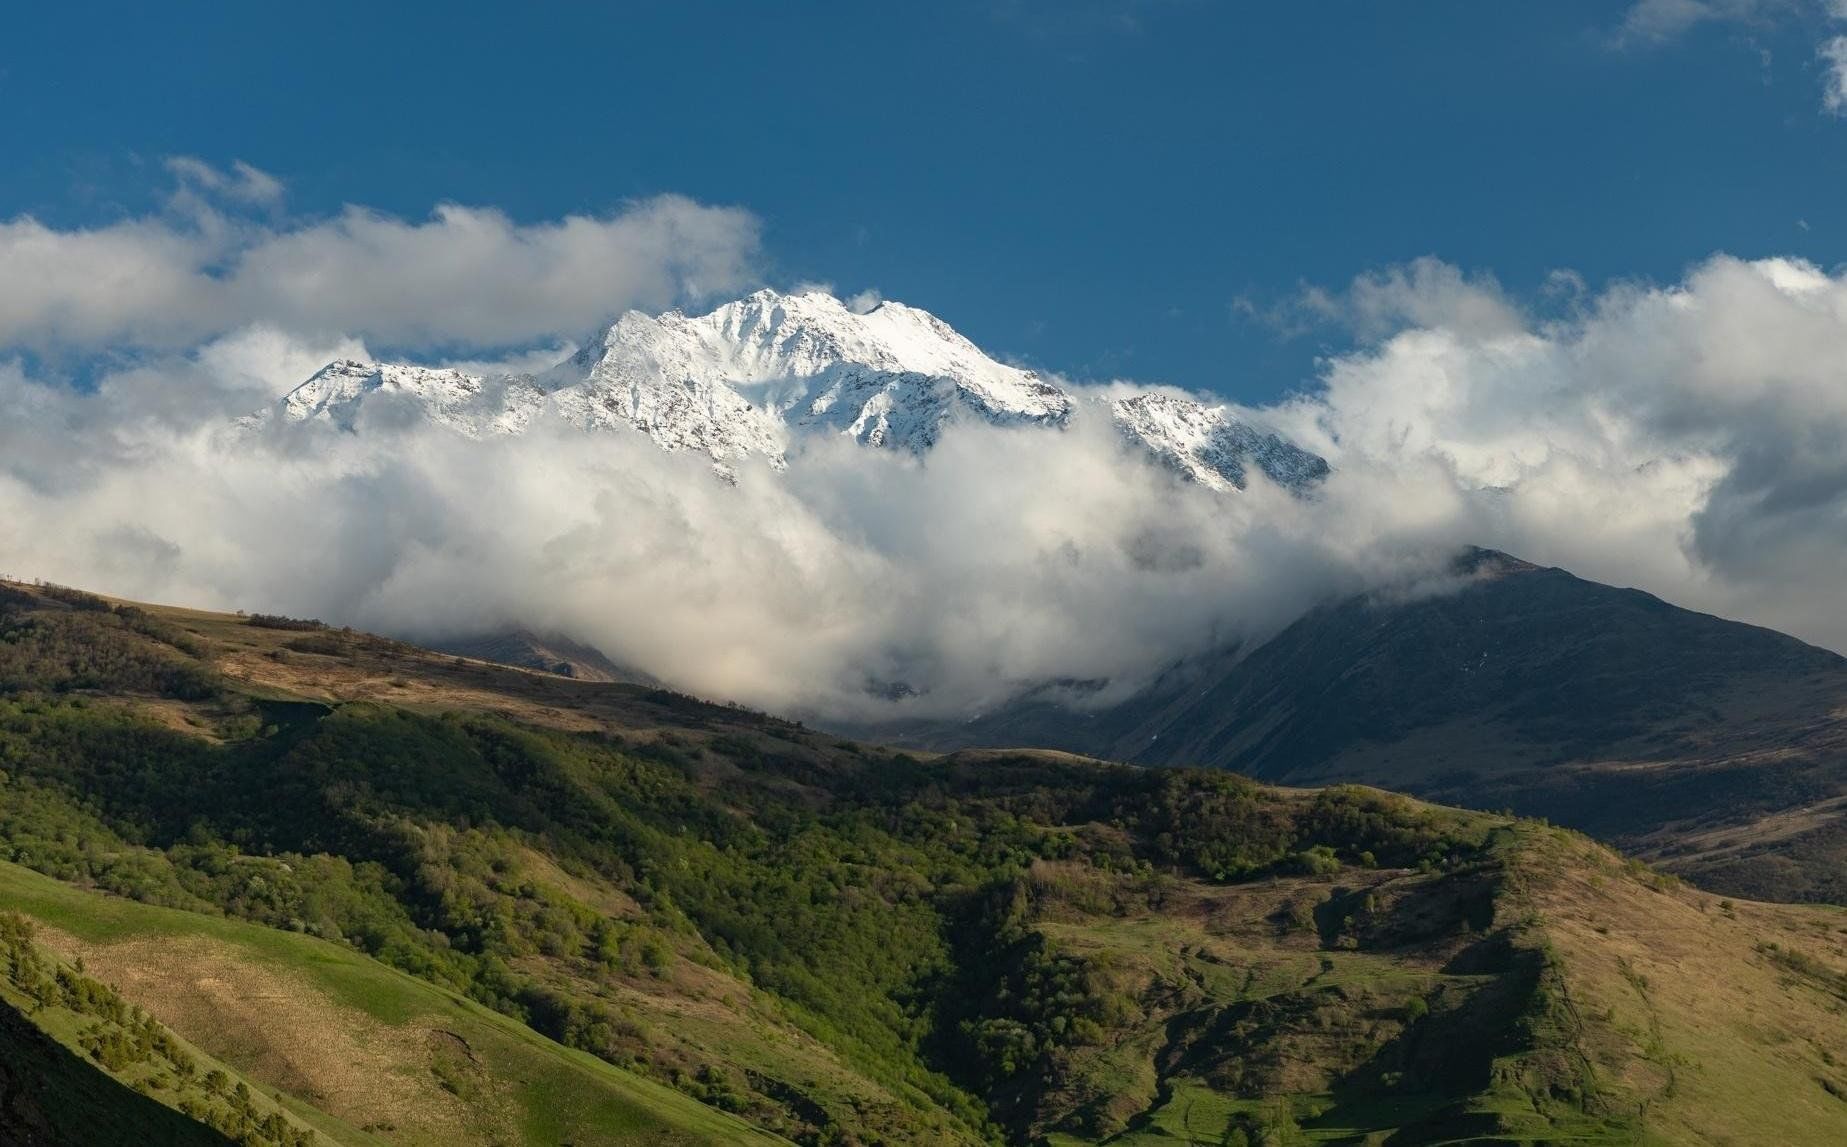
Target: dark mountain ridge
<point>1527,687</point>
<point>553,653</point>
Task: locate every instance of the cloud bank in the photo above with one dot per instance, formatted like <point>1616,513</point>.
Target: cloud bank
<point>464,277</point>
<point>1690,439</point>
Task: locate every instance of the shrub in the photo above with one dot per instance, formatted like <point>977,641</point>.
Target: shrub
<point>1317,861</point>
<point>278,621</point>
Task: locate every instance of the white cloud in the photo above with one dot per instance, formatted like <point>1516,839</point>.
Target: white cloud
<point>1424,292</point>
<point>1431,293</point>
<point>1655,21</point>
<point>242,184</point>
<point>1689,439</point>
<point>961,578</point>
<point>864,301</point>
<point>1651,21</point>
<point>1833,53</point>
<point>464,277</point>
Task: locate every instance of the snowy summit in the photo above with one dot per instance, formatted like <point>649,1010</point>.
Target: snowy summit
<point>759,375</point>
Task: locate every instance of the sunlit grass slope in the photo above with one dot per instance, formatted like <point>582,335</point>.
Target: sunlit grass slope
<point>379,1051</point>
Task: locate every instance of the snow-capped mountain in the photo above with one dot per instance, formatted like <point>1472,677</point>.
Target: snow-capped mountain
<point>760,375</point>
<point>466,403</point>
<point>893,376</point>
<point>1211,445</point>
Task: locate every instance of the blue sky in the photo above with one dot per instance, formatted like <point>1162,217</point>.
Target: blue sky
<point>1092,188</point>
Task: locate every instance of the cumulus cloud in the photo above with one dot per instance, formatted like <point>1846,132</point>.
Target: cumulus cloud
<point>1833,55</point>
<point>464,277</point>
<point>1690,439</point>
<point>1425,292</point>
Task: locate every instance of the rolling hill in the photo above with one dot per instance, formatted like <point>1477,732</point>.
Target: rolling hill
<point>358,1052</point>
<point>413,897</point>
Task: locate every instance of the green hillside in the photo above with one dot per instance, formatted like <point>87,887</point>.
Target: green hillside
<point>362,1053</point>
<point>390,884</point>
<point>86,1065</point>
<point>52,1095</point>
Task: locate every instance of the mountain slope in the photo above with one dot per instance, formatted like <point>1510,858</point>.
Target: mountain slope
<point>838,942</point>
<point>1210,445</point>
<point>81,1064</point>
<point>1559,667</point>
<point>50,1096</point>
<point>762,375</point>
<point>471,406</point>
<point>893,376</point>
<point>1719,747</point>
<point>546,654</point>
<point>349,1042</point>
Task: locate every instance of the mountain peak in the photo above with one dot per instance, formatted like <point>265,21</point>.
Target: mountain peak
<point>1212,444</point>
<point>1475,561</point>
<point>470,405</point>
<point>806,362</point>
<point>760,374</point>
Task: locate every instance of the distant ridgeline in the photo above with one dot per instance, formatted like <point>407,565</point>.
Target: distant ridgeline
<point>1526,688</point>
<point>757,929</point>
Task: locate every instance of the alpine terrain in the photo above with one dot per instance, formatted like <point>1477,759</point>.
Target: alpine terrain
<point>763,375</point>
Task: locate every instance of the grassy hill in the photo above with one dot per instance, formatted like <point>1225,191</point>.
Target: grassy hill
<point>52,1095</point>
<point>84,1064</point>
<point>427,899</point>
<point>361,1053</point>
